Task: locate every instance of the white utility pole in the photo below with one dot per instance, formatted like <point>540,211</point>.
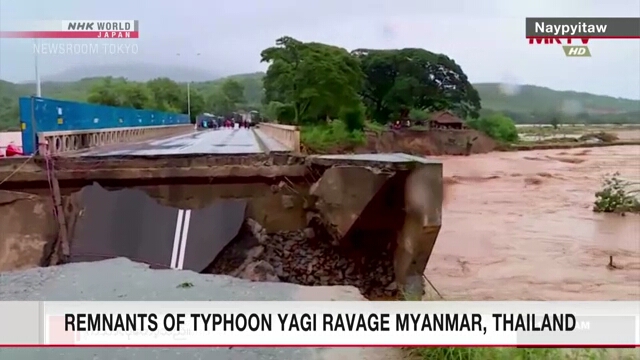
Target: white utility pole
<point>36,49</point>
<point>189,93</point>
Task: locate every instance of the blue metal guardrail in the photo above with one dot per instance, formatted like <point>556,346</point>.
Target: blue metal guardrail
<point>41,115</point>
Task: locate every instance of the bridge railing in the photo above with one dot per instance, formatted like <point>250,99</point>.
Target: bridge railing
<point>60,142</point>
<point>287,135</point>
<point>66,126</point>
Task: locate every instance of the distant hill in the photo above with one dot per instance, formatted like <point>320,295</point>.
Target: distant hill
<point>522,99</point>
<point>530,98</point>
<point>525,103</point>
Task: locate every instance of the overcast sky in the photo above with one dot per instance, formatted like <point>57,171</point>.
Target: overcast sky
<point>486,37</point>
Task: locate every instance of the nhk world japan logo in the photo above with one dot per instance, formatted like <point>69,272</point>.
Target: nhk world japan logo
<point>570,50</point>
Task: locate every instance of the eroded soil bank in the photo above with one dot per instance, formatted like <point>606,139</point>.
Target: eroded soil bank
<point>433,142</point>
<point>416,142</point>
<point>520,226</point>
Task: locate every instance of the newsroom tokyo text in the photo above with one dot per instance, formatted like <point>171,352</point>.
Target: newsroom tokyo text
<point>78,48</point>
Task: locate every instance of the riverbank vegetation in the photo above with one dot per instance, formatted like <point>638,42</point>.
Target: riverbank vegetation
<point>497,126</point>
<point>334,135</point>
<point>331,93</point>
<point>618,195</point>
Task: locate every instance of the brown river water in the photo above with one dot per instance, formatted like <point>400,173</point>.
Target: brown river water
<point>520,226</point>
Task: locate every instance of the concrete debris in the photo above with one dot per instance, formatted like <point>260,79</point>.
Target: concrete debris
<point>367,228</point>
<point>260,271</point>
<point>309,233</point>
<point>255,252</point>
<point>257,230</point>
<point>295,258</point>
<point>287,201</point>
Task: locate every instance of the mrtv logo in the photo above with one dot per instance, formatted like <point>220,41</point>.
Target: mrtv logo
<point>570,50</point>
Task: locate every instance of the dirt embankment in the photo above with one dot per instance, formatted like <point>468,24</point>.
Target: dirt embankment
<point>433,142</point>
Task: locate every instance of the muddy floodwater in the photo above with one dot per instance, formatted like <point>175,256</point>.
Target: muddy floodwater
<point>520,226</point>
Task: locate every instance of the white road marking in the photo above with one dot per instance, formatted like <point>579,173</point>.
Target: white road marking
<point>176,240</point>
<point>185,234</point>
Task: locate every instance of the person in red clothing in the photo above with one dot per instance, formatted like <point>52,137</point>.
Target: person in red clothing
<point>13,150</point>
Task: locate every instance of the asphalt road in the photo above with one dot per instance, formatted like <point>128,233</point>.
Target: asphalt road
<point>221,141</point>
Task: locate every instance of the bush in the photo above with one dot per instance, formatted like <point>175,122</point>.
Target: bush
<point>353,117</point>
<point>327,136</point>
<point>418,114</point>
<point>616,196</point>
<point>283,113</point>
<point>497,126</point>
<point>374,127</point>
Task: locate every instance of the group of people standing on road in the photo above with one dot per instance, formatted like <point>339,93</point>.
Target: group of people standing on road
<point>228,123</point>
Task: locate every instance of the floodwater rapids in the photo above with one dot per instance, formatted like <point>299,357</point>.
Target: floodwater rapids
<point>520,226</point>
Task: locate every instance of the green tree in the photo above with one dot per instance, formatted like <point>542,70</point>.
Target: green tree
<point>554,122</point>
<point>496,126</point>
<point>317,80</point>
<point>414,79</point>
<point>219,103</point>
<point>134,95</point>
<point>283,113</point>
<point>353,116</point>
<point>166,95</point>
<point>233,91</point>
<point>105,93</point>
<point>229,97</point>
<point>418,114</point>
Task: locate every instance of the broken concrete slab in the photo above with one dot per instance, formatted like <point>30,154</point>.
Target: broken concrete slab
<point>132,169</point>
<point>104,224</point>
<point>398,161</point>
<point>381,205</point>
<point>121,279</point>
<point>422,223</point>
<point>26,227</point>
<point>342,193</point>
<point>128,223</point>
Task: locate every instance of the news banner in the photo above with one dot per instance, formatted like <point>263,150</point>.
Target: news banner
<point>74,29</point>
<point>320,324</point>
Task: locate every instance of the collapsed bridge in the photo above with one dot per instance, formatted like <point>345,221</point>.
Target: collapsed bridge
<point>365,220</point>
<point>240,202</point>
